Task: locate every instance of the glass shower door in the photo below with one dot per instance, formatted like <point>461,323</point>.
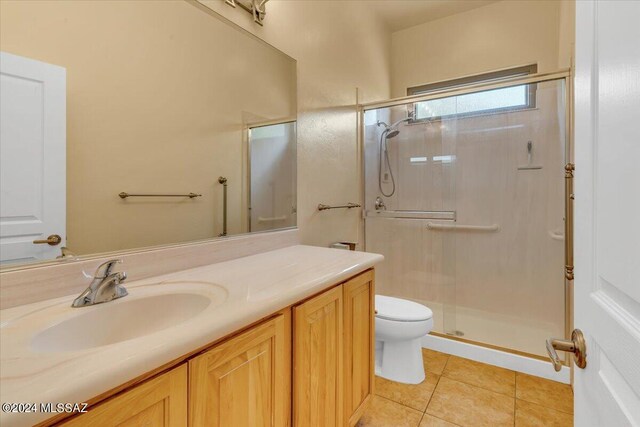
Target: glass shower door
<point>464,195</point>
<point>509,214</point>
<point>409,168</point>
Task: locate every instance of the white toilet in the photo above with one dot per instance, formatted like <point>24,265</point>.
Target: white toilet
<point>400,326</point>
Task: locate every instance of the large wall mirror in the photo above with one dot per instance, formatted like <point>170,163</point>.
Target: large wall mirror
<point>130,124</point>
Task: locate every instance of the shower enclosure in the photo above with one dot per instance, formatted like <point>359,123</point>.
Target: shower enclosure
<point>465,198</point>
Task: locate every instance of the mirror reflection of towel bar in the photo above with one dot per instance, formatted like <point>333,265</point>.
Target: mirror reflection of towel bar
<point>350,205</point>
<point>124,195</point>
<point>447,227</point>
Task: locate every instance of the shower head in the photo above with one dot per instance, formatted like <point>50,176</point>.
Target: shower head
<point>392,133</point>
<point>391,130</point>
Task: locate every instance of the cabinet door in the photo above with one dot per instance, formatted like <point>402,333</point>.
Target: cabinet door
<point>159,402</point>
<point>317,358</point>
<point>359,345</point>
<point>245,381</point>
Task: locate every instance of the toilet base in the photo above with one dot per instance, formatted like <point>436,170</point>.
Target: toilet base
<point>400,361</point>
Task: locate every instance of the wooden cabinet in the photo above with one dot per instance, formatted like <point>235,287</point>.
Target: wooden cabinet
<point>159,402</point>
<point>333,354</point>
<point>245,381</point>
<point>359,345</point>
<point>317,359</point>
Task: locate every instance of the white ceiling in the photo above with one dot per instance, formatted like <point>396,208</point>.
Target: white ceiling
<point>400,14</point>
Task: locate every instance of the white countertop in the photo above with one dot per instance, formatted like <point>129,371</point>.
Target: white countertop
<point>254,286</point>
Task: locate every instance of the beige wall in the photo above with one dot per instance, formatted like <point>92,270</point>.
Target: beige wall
<point>343,45</point>
<point>339,45</point>
<point>567,35</point>
<point>499,35</point>
<point>157,93</point>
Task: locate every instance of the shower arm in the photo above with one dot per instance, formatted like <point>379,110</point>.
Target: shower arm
<point>388,127</point>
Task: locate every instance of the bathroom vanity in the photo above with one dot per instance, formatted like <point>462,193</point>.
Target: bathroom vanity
<point>280,338</point>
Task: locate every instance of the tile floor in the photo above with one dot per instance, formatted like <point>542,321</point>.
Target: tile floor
<point>462,392</point>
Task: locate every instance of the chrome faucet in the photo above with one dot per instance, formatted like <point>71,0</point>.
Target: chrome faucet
<point>105,286</point>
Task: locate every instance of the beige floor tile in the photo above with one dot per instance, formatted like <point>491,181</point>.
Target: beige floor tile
<point>385,413</point>
<point>431,421</point>
<point>482,375</point>
<point>467,405</point>
<point>415,396</point>
<point>532,415</point>
<point>544,392</point>
<point>434,361</point>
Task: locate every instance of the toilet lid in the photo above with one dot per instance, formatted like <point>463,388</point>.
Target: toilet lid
<point>401,310</point>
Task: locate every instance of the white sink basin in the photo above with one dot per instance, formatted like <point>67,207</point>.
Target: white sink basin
<point>133,316</point>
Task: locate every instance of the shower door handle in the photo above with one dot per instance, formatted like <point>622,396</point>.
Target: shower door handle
<point>576,345</point>
<point>568,222</point>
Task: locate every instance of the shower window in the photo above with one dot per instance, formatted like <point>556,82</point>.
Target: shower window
<point>478,103</point>
<point>474,104</point>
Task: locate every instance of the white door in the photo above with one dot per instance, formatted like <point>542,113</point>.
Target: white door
<point>607,212</point>
<point>32,158</point>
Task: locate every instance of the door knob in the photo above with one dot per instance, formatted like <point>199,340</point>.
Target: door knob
<point>576,345</point>
<point>52,240</point>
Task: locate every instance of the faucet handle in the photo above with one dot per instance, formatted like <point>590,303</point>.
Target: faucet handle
<point>105,268</point>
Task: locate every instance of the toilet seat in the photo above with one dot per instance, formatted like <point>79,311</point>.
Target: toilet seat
<point>401,310</point>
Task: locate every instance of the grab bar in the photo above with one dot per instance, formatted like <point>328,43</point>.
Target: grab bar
<point>222,180</point>
<point>447,227</point>
<point>275,218</point>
